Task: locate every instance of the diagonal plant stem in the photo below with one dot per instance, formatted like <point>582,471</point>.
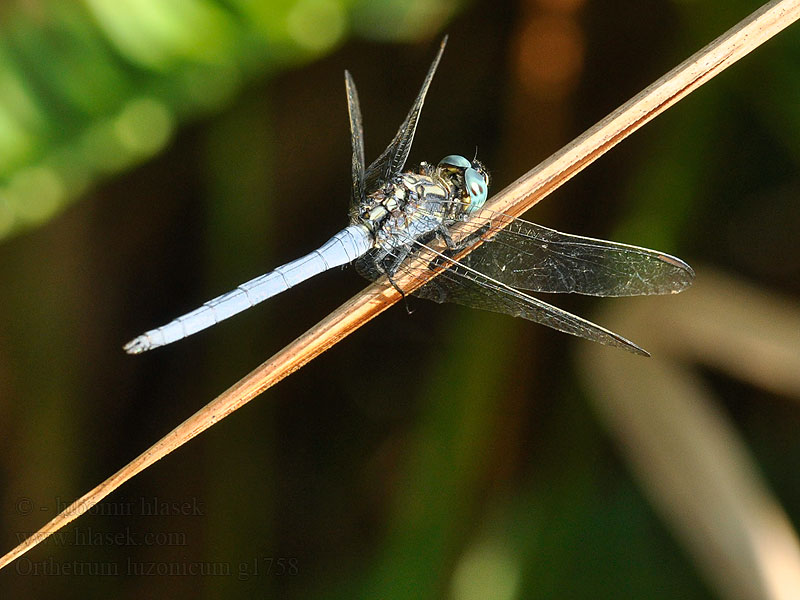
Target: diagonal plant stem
<point>514,200</point>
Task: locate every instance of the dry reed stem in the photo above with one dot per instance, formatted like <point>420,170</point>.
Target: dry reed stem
<point>514,200</point>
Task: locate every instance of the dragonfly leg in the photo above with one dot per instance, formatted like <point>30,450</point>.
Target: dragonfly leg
<point>468,240</point>
<point>454,247</point>
<point>465,242</point>
<point>401,292</point>
<point>392,261</point>
<point>390,264</point>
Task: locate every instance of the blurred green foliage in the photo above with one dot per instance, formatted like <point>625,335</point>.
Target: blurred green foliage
<point>90,88</point>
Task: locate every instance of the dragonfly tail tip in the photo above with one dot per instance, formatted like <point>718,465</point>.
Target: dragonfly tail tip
<point>138,345</point>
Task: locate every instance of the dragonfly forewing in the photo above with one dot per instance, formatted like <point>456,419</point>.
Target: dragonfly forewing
<point>393,159</point>
<point>356,142</point>
<point>531,257</point>
<point>461,284</point>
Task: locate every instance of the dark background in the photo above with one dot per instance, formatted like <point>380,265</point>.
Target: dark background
<point>154,155</point>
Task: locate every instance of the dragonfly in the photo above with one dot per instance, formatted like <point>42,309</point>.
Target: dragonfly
<point>397,216</point>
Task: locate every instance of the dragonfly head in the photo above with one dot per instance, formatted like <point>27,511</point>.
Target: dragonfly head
<point>476,179</point>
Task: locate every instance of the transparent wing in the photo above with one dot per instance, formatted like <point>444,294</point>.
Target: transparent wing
<point>464,285</point>
<point>528,256</point>
<point>392,160</point>
<point>357,142</point>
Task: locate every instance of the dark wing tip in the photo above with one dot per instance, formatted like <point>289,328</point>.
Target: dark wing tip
<point>687,273</point>
<point>626,344</point>
<point>349,84</point>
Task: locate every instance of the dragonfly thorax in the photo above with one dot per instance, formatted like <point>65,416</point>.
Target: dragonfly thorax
<point>428,197</point>
<point>412,205</point>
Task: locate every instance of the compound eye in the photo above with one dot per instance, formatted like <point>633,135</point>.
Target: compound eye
<point>454,161</point>
<point>477,188</point>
